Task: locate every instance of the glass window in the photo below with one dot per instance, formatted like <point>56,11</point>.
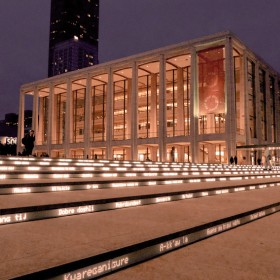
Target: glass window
<point>178,95</point>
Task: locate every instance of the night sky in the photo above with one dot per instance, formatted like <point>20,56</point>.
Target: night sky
<point>128,27</point>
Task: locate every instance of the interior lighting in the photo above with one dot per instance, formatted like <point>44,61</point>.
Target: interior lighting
<point>3,176</point>
<point>150,174</point>
<point>121,168</point>
<point>21,190</point>
<point>90,186</point>
<point>194,180</point>
<point>7,168</point>
<point>89,168</point>
<point>169,173</point>
<point>139,169</point>
<point>21,162</point>
<point>44,163</point>
<point>152,183</point>
<point>33,168</point>
<point>63,168</point>
<point>87,175</point>
<point>98,164</point>
<point>60,176</point>
<point>30,176</point>
<point>83,164</point>
<point>109,175</point>
<point>130,174</point>
<point>235,178</point>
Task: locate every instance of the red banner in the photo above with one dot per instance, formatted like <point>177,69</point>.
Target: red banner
<point>211,81</point>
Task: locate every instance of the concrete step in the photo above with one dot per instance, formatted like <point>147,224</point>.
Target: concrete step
<point>124,237</point>
<point>249,252</point>
<point>31,207</point>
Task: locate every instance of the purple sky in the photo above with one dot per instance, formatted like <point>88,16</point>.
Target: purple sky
<point>128,27</point>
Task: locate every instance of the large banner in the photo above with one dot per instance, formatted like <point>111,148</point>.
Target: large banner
<point>211,81</point>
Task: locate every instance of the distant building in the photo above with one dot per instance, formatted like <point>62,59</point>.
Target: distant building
<point>207,98</point>
<point>9,126</point>
<point>73,41</point>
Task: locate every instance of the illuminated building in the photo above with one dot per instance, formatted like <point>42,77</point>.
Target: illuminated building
<point>204,97</point>
<point>73,41</point>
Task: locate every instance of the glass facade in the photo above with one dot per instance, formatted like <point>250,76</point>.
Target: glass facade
<point>60,113</point>
<point>78,112</point>
<point>98,107</point>
<point>121,102</point>
<point>178,73</point>
<point>148,100</point>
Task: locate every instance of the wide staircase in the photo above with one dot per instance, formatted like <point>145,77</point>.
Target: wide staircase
<point>85,219</point>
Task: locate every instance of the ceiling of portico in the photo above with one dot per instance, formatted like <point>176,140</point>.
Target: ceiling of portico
<point>178,62</point>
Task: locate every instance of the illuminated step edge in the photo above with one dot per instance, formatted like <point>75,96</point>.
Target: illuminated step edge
<point>40,212</point>
<point>115,260</point>
<point>19,161</point>
<point>70,174</point>
<point>89,185</point>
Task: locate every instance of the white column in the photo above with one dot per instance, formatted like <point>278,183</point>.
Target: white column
<point>246,99</point>
<point>134,110</point>
<point>194,109</point>
<point>277,110</point>
<point>68,118</point>
<point>268,106</point>
<point>35,110</point>
<point>128,120</point>
<point>230,99</point>
<point>35,114</point>
<point>88,121</point>
<point>153,105</point>
<point>109,116</point>
<point>258,103</point>
<point>50,119</point>
<point>162,111</point>
<point>20,132</point>
<point>180,102</point>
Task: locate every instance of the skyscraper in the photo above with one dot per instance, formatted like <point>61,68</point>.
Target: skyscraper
<point>73,35</point>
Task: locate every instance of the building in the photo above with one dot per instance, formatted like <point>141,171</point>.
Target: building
<point>73,35</point>
<point>209,99</point>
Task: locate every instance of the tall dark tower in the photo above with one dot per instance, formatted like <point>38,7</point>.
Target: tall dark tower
<point>73,35</point>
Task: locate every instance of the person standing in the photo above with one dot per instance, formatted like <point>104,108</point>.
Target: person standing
<point>235,160</point>
<point>172,154</point>
<point>28,142</point>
